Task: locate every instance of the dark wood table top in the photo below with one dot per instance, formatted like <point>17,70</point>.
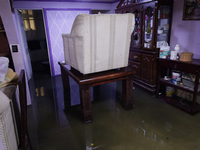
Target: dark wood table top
<point>82,79</point>
<point>195,62</point>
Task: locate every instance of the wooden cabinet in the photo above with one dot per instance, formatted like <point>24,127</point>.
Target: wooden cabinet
<point>135,56</point>
<point>152,30</point>
<point>136,66</point>
<point>189,105</point>
<point>147,68</point>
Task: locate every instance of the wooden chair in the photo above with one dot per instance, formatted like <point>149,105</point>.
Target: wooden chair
<point>23,134</point>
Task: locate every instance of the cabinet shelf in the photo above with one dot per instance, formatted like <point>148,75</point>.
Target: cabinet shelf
<point>162,34</point>
<point>186,106</point>
<point>178,86</point>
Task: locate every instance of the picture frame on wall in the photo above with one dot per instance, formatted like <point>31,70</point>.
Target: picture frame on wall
<point>191,10</point>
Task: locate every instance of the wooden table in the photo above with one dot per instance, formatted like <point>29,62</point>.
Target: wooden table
<point>86,81</point>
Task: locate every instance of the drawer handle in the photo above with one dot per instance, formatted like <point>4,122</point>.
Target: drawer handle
<point>134,66</point>
<point>135,56</point>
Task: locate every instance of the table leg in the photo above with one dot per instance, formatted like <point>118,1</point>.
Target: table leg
<point>66,87</point>
<point>85,98</point>
<point>127,92</point>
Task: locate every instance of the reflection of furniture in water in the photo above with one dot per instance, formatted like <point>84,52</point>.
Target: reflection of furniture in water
<point>87,81</point>
<point>17,118</point>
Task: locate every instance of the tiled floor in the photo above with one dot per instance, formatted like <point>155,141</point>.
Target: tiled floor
<point>150,125</point>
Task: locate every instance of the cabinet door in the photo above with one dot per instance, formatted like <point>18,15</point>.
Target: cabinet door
<point>148,26</point>
<point>163,27</point>
<point>136,66</point>
<point>136,35</point>
<point>135,56</point>
<point>147,68</point>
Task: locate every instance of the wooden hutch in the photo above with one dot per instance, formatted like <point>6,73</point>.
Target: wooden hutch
<point>152,29</point>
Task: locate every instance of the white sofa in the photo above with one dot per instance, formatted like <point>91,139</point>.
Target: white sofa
<point>8,130</point>
<point>99,42</point>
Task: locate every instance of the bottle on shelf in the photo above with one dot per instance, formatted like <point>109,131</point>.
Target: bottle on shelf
<point>148,27</point>
<point>177,49</point>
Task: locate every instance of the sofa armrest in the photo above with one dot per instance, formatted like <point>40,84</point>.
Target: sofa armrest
<point>73,50</point>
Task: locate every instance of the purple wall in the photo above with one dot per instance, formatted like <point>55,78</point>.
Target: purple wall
<point>58,21</point>
<point>185,33</point>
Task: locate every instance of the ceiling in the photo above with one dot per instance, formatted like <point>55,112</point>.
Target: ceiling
<point>91,1</point>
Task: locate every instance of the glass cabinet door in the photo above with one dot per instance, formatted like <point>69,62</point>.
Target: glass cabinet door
<point>148,27</point>
<point>163,26</point>
<point>136,37</point>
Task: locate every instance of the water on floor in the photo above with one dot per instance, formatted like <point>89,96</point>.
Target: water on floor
<point>151,125</point>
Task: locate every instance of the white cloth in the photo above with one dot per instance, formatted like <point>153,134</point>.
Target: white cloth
<point>99,42</point>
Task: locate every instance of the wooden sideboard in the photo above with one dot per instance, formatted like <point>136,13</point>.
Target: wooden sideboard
<point>165,68</point>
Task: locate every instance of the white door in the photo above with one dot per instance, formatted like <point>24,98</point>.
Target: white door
<point>24,45</point>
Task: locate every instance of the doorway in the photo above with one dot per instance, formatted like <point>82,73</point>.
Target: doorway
<point>36,40</point>
<point>40,83</point>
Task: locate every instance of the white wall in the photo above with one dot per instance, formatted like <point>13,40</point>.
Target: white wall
<point>12,34</point>
<point>64,5</point>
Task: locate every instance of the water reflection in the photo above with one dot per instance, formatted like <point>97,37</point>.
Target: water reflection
<point>151,124</point>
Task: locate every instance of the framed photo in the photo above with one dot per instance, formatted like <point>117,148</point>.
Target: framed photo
<point>191,10</point>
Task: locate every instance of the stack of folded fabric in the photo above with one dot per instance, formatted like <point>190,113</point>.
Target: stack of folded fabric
<point>7,75</point>
<point>188,80</point>
<point>10,78</point>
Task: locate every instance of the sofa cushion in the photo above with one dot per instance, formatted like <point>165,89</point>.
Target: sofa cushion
<point>4,102</point>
